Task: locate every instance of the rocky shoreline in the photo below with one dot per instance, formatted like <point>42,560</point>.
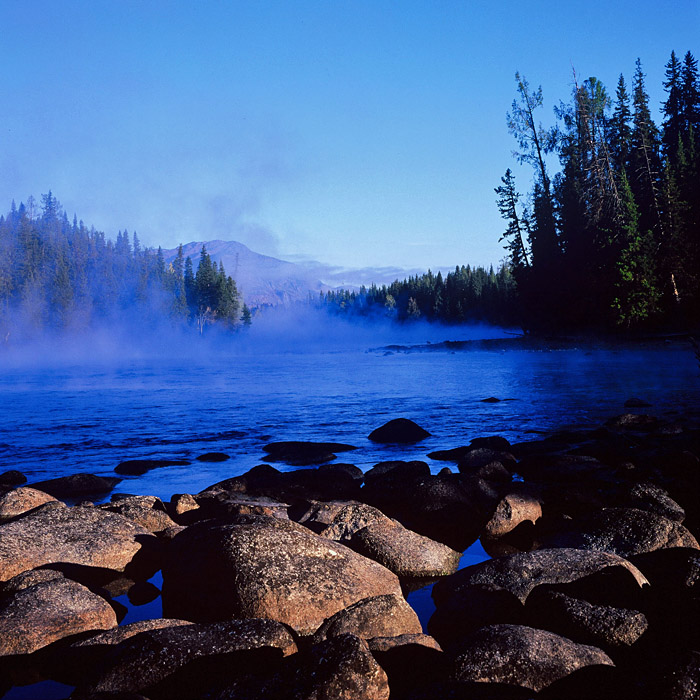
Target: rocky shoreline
<point>292,584</point>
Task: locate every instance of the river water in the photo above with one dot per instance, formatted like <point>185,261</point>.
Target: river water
<point>66,412</point>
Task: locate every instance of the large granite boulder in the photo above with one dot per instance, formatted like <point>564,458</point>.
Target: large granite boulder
<point>83,536</point>
<point>181,662</point>
<point>522,656</point>
<point>380,616</point>
<point>147,511</point>
<point>21,500</point>
<point>39,615</point>
<point>623,531</point>
<point>512,510</point>
<point>76,486</point>
<point>267,568</point>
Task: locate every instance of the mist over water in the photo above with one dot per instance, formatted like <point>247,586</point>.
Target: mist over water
<point>86,403</point>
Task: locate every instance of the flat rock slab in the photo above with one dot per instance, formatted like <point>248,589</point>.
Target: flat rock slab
<point>522,656</point>
<point>399,430</point>
<point>137,467</point>
<point>41,614</point>
<point>84,536</point>
<point>520,573</point>
<point>271,569</point>
<point>146,511</point>
<point>169,659</point>
<point>300,453</point>
<point>77,485</point>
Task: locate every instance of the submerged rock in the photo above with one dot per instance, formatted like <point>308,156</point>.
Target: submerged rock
<point>522,656</point>
<point>213,457</point>
<point>137,467</point>
<point>298,453</point>
<point>399,430</point>
<point>275,569</point>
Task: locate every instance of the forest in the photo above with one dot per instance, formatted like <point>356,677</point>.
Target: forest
<point>610,241</point>
<point>613,238</point>
<point>56,276</point>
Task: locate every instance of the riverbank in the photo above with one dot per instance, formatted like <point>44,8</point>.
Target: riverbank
<point>294,583</point>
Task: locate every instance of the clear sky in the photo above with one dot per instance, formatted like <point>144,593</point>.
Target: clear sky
<point>359,133</point>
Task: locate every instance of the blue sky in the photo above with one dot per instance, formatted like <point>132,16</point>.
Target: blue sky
<point>361,134</point>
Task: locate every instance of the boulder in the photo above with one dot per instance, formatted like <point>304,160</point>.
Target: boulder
<point>340,520</point>
<point>399,430</point>
<point>600,625</point>
<point>276,570</point>
<point>622,531</point>
<point>453,455</point>
<point>512,510</point>
<point>403,551</point>
<point>478,457</point>
<point>21,500</point>
<point>341,668</point>
<point>379,616</point>
<point>635,402</point>
<point>77,486</point>
<point>633,421</point>
<point>675,570</point>
<point>146,511</point>
<point>397,469</point>
<point>227,505</point>
<point>181,662</point>
<point>522,656</point>
<point>520,573</point>
<point>343,468</point>
<point>180,504</point>
<point>137,467</point>
<point>645,496</point>
<point>491,442</point>
<point>86,537</point>
<point>27,579</point>
<point>41,614</point>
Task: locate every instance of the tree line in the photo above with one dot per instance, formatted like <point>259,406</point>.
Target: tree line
<point>613,238</point>
<point>59,275</point>
<point>466,294</point>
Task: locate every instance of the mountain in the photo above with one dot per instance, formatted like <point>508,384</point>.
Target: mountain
<point>262,280</point>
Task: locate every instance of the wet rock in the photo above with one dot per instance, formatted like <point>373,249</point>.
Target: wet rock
<point>600,625</point>
<point>77,485</point>
<point>21,500</point>
<point>301,454</point>
<point>512,510</point>
<point>12,478</point>
<point>403,551</point>
<point>636,403</point>
<point>522,656</point>
<point>182,662</point>
<point>674,570</point>
<point>180,504</point>
<point>379,616</point>
<point>492,442</point>
<point>276,569</point>
<point>623,531</point>
<point>520,573</point>
<point>559,468</point>
<point>258,480</point>
<point>451,509</point>
<point>491,399</point>
<point>213,457</point>
<point>146,511</point>
<point>398,470</point>
<point>343,468</point>
<point>399,430</point>
<point>39,615</point>
<point>137,467</point>
<point>633,421</point>
<point>478,457</point>
<point>86,537</point>
<point>645,496</point>
<point>227,505</point>
<point>379,645</point>
<point>342,520</point>
<point>142,592</point>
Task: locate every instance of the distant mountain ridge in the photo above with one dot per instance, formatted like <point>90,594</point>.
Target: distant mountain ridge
<point>262,280</point>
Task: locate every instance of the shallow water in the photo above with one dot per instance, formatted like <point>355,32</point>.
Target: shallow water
<point>63,417</point>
